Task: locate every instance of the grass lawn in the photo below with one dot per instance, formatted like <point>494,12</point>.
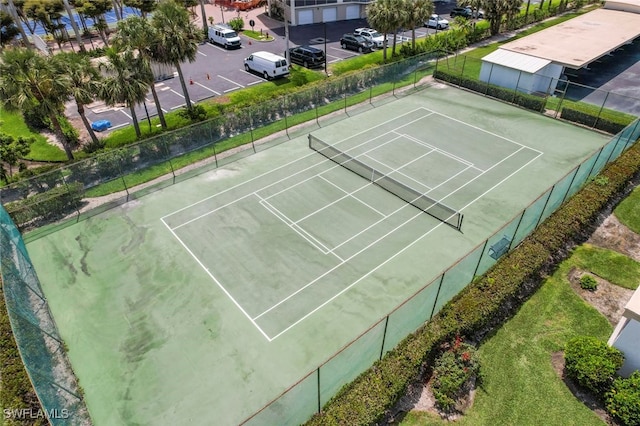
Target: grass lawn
<point>519,385</point>
<point>12,123</point>
<point>628,212</point>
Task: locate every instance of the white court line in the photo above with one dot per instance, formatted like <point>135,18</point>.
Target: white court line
<point>284,166</point>
<point>216,281</point>
<point>297,229</point>
<point>230,81</point>
<point>403,174</point>
<point>393,230</point>
<point>211,90</point>
<point>353,192</point>
<point>441,151</point>
<point>324,171</point>
<point>403,249</point>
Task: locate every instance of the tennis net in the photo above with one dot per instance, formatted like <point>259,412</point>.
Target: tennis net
<point>410,195</point>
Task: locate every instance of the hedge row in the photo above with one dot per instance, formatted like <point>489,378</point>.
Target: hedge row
<point>486,303</point>
<point>591,116</point>
<point>531,102</point>
<point>16,391</point>
<point>52,204</point>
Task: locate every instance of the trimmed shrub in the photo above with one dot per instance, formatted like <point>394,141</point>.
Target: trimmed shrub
<point>592,363</point>
<point>484,304</point>
<point>587,282</point>
<point>623,400</point>
<point>453,370</point>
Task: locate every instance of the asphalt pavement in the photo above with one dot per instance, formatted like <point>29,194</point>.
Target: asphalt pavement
<point>217,71</point>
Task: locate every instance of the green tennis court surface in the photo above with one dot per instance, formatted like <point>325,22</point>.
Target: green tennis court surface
<point>207,299</point>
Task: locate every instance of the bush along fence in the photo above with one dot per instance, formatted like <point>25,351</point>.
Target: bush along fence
<point>558,97</point>
<point>39,343</point>
<point>469,299</point>
<point>52,196</point>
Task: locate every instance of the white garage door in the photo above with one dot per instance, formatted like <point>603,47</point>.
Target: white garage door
<point>305,17</point>
<point>353,12</point>
<point>329,14</point>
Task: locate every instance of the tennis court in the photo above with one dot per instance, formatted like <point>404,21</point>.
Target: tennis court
<point>207,299</point>
<point>331,226</point>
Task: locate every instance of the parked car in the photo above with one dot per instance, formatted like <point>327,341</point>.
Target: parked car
<point>371,35</point>
<point>437,22</point>
<point>466,12</point>
<point>307,56</point>
<point>355,42</point>
<point>267,64</point>
<point>224,36</point>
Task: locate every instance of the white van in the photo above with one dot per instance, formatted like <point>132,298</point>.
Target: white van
<point>267,64</point>
<point>224,36</point>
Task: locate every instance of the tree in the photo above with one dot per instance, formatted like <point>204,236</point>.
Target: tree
<point>400,17</point>
<point>11,151</point>
<point>497,10</point>
<point>47,13</point>
<point>137,34</point>
<point>177,39</point>
<point>144,6</point>
<point>28,80</point>
<point>95,9</point>
<point>418,11</point>
<point>8,29</point>
<point>126,81</point>
<point>85,82</point>
<point>381,17</point>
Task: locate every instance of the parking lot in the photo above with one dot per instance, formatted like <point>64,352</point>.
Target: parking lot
<point>217,71</point>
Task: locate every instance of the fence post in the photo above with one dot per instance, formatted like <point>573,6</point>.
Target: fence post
<point>435,302</point>
<point>601,108</point>
<point>384,336</point>
<point>319,401</point>
<point>544,207</point>
<point>481,257</point>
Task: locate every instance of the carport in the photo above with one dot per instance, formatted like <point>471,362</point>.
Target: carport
<point>567,47</point>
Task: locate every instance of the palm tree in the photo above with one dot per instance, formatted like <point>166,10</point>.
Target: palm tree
<point>28,80</point>
<point>74,25</point>
<point>418,11</point>
<point>400,17</point>
<point>136,33</point>
<point>496,10</point>
<point>177,39</point>
<point>381,17</point>
<point>85,82</point>
<point>126,82</point>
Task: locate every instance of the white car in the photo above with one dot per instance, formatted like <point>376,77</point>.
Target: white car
<point>437,22</point>
<point>371,35</point>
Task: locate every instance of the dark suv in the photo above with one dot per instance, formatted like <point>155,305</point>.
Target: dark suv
<point>307,56</point>
<point>465,12</point>
<point>354,42</point>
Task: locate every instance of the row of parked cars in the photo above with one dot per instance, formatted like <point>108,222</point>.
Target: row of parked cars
<point>362,40</point>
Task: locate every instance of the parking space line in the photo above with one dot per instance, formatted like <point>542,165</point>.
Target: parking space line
<point>201,53</point>
<point>232,89</point>
<point>122,111</point>
<point>255,82</point>
<point>118,126</point>
<point>211,90</point>
<point>216,46</point>
<point>179,94</point>
<point>178,106</point>
<point>230,81</point>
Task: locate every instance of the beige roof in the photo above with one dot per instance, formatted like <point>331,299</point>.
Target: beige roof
<point>580,41</point>
<point>517,61</point>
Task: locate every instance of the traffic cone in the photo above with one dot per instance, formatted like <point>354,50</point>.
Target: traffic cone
<point>190,81</point>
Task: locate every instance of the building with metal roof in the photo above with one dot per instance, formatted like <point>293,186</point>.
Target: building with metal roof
<point>536,63</point>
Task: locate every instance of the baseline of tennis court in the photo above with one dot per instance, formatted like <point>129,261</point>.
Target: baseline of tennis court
<point>311,253</point>
<point>285,244</point>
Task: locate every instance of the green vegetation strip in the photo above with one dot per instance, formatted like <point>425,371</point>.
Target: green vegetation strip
<point>518,380</point>
<point>195,156</point>
<point>628,212</point>
<point>16,391</point>
<point>486,303</point>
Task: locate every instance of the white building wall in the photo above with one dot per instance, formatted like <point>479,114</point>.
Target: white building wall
<point>511,78</point>
<point>499,75</point>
